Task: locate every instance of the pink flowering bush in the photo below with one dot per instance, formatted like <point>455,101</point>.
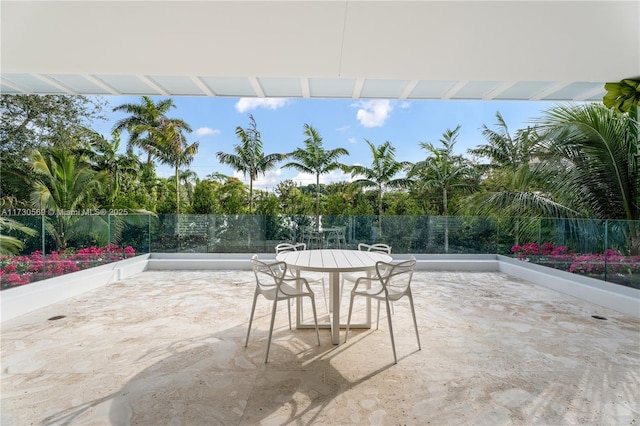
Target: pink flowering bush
<point>560,257</point>
<point>533,249</point>
<point>21,270</point>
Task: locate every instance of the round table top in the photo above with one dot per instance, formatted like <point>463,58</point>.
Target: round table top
<point>332,260</point>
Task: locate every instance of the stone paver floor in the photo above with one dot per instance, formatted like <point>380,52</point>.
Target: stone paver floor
<point>167,348</point>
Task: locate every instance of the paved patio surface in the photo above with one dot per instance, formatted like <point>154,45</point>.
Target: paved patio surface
<point>167,348</point>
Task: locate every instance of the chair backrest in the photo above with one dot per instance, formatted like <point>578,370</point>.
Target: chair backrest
<point>268,275</point>
<point>284,247</point>
<point>378,248</point>
<point>339,230</point>
<point>397,275</point>
<point>307,230</point>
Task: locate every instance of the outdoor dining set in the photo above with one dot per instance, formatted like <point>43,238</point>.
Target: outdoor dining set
<point>369,271</point>
<point>331,237</point>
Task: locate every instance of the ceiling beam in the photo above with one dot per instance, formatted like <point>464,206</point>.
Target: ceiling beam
<point>408,89</point>
<point>554,88</point>
<point>454,89</point>
<point>498,90</point>
<point>155,86</point>
<point>255,84</point>
<point>201,85</point>
<point>101,84</point>
<point>357,88</point>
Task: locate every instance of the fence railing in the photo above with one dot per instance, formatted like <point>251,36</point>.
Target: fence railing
<point>604,249</point>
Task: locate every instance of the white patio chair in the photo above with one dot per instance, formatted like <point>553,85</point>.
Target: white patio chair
<point>271,282</point>
<point>391,283</point>
<point>336,238</point>
<point>311,237</point>
<point>353,276</point>
<point>312,277</point>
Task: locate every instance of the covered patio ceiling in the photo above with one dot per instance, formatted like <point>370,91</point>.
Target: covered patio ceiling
<point>477,50</point>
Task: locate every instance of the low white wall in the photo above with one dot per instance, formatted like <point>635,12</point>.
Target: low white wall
<point>21,300</point>
<point>27,298</point>
<point>617,297</point>
<point>454,262</point>
<point>200,261</point>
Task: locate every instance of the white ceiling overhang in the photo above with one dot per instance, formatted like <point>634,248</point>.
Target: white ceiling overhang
<point>485,50</point>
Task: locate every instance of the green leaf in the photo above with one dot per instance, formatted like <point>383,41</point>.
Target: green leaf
<point>612,88</point>
<point>627,104</point>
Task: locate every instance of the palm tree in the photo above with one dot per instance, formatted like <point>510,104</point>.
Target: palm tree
<point>591,156</point>
<point>171,148</point>
<point>380,175</point>
<point>146,122</point>
<point>517,188</point>
<point>315,160</point>
<point>505,152</point>
<point>249,157</point>
<point>105,156</point>
<point>443,171</point>
<point>11,245</point>
<point>588,145</point>
<point>217,177</point>
<point>63,184</point>
<point>189,179</point>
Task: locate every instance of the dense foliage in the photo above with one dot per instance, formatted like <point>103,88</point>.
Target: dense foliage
<point>579,161</point>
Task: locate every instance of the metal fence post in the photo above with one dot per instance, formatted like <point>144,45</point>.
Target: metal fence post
<point>606,246</point>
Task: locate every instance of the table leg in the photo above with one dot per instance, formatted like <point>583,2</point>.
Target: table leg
<point>334,284</point>
<point>368,315</point>
<point>298,302</point>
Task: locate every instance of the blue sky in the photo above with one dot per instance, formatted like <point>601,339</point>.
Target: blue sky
<point>341,123</point>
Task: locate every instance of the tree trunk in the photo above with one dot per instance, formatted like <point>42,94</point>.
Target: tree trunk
<point>380,212</point>
<point>318,202</point>
<point>177,192</point>
<point>446,220</point>
<point>250,195</point>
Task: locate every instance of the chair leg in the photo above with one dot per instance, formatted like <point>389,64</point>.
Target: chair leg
<point>273,320</point>
<point>378,316</point>
<point>324,295</point>
<point>289,308</point>
<point>349,318</point>
<point>253,308</point>
<point>415,322</point>
<point>393,343</point>
<point>315,317</point>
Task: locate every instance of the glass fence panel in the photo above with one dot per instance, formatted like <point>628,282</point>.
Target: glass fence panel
<point>213,233</point>
<point>132,231</point>
<point>622,254</point>
<point>36,247</point>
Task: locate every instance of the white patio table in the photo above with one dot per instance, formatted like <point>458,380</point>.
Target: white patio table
<point>333,262</point>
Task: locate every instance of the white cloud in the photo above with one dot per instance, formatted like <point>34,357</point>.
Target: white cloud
<point>373,113</point>
<point>333,177</point>
<point>343,128</point>
<point>272,178</point>
<point>266,182</point>
<point>247,104</point>
<point>352,140</point>
<point>205,131</point>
